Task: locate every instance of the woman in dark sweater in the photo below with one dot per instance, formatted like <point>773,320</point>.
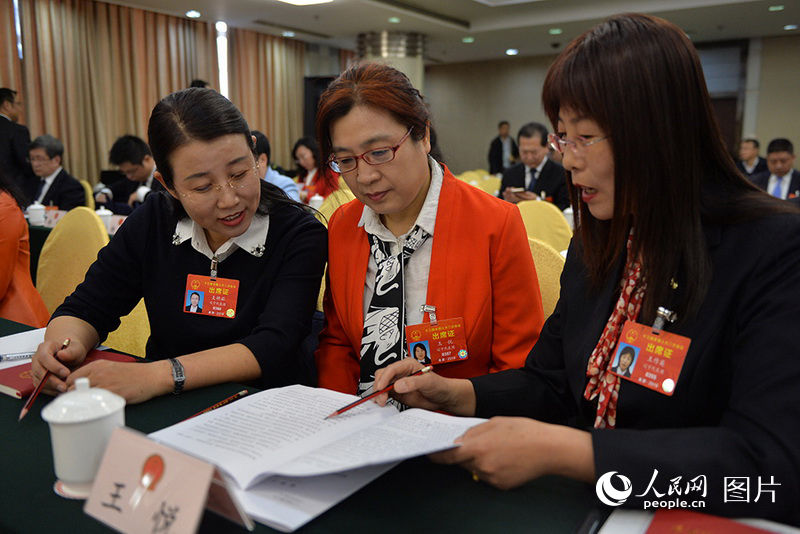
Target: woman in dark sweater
<point>254,257</point>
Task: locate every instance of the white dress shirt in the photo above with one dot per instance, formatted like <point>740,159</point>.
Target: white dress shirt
<point>48,181</point>
<point>785,182</point>
<point>252,240</point>
<point>529,175</point>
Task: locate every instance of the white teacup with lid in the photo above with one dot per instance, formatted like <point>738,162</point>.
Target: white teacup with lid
<point>81,422</point>
<point>316,201</point>
<point>36,214</point>
<point>105,215</point>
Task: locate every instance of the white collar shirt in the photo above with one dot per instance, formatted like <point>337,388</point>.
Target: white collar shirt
<point>48,181</point>
<point>252,241</point>
<point>784,183</point>
<point>415,275</point>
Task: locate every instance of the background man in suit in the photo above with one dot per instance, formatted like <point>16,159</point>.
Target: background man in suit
<point>536,174</point>
<point>132,155</point>
<point>780,180</point>
<point>750,162</point>
<point>14,141</point>
<point>267,173</point>
<point>55,187</point>
<point>503,150</point>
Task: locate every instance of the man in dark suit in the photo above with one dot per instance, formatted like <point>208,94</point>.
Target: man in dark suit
<point>14,141</point>
<point>133,158</point>
<point>780,180</point>
<point>536,176</point>
<point>194,305</point>
<point>503,150</point>
<point>750,162</point>
<point>55,187</point>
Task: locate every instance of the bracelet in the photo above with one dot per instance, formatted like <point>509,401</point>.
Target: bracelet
<point>178,375</point>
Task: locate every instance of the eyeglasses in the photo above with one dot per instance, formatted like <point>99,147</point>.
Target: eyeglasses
<point>376,156</point>
<point>39,159</point>
<point>207,192</point>
<point>560,144</point>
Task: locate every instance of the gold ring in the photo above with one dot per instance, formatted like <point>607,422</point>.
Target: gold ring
<point>475,477</point>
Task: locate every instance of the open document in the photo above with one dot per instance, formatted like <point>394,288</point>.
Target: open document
<point>284,432</point>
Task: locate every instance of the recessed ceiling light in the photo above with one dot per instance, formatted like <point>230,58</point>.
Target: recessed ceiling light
<point>193,14</point>
<point>394,20</point>
<point>221,26</point>
<point>512,52</point>
<point>776,8</point>
<point>468,40</point>
<point>287,33</point>
<point>555,31</point>
<point>305,2</point>
<point>790,27</point>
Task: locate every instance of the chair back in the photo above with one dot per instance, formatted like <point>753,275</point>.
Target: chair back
<point>67,253</point>
<point>133,332</point>
<point>544,221</point>
<point>490,185</point>
<point>549,264</point>
<point>87,189</point>
<point>332,202</point>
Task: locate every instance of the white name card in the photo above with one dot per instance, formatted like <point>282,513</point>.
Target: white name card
<point>143,486</point>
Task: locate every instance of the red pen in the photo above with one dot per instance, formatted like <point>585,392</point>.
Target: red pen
<point>29,402</point>
<point>221,403</point>
<point>368,397</point>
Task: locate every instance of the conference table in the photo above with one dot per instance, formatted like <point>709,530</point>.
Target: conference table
<point>415,495</point>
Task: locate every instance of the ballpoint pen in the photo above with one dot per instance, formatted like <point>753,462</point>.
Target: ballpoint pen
<point>368,397</point>
<point>29,402</point>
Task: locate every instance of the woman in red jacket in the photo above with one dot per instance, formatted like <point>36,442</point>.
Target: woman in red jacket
<point>418,253</point>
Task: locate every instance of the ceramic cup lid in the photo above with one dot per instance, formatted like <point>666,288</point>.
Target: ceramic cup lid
<point>82,404</point>
<point>103,211</point>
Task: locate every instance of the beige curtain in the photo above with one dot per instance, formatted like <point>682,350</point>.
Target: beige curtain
<point>10,65</point>
<point>93,71</point>
<point>266,83</point>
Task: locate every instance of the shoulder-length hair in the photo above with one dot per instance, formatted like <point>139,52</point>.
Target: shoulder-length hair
<point>639,77</point>
<point>198,114</point>
<point>374,85</point>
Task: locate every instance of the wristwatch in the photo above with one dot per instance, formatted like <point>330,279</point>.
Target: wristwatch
<point>178,376</point>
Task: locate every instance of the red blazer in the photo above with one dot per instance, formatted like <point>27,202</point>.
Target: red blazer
<point>481,270</point>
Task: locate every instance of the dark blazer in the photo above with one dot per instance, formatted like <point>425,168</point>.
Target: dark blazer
<point>551,180</point>
<point>14,141</point>
<point>760,167</point>
<point>496,154</point>
<point>762,180</point>
<point>734,411</point>
<point>65,192</point>
<point>199,309</point>
<point>122,190</point>
<point>627,372</point>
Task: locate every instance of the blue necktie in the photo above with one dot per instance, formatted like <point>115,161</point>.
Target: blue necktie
<point>532,185</point>
<point>776,191</point>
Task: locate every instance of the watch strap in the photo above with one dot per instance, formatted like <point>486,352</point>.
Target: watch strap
<point>178,375</point>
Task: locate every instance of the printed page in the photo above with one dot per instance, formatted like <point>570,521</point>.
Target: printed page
<point>410,433</point>
<point>251,438</point>
<point>287,503</point>
<point>23,342</point>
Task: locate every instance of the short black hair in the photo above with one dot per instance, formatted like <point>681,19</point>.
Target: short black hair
<point>50,144</point>
<point>198,83</point>
<point>7,95</point>
<point>128,148</point>
<point>194,293</point>
<point>753,140</point>
<point>781,144</point>
<point>501,123</point>
<point>262,144</point>
<point>627,350</point>
<point>421,346</point>
<point>532,129</point>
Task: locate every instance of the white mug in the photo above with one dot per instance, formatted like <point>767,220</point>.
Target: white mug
<point>81,423</point>
<point>105,215</point>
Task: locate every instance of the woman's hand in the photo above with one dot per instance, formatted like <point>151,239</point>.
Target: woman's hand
<point>509,451</point>
<point>136,382</point>
<point>429,391</point>
<point>48,357</point>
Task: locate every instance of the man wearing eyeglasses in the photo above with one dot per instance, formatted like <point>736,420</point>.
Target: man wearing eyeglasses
<point>55,187</point>
<point>14,141</point>
<point>536,176</point>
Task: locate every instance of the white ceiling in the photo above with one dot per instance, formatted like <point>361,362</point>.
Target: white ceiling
<point>495,24</point>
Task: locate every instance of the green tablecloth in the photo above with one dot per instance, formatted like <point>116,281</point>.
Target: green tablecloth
<point>416,495</point>
<point>37,237</point>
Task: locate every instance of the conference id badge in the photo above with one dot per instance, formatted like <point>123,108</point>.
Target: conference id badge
<point>650,358</point>
<point>213,297</point>
<point>440,342</point>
